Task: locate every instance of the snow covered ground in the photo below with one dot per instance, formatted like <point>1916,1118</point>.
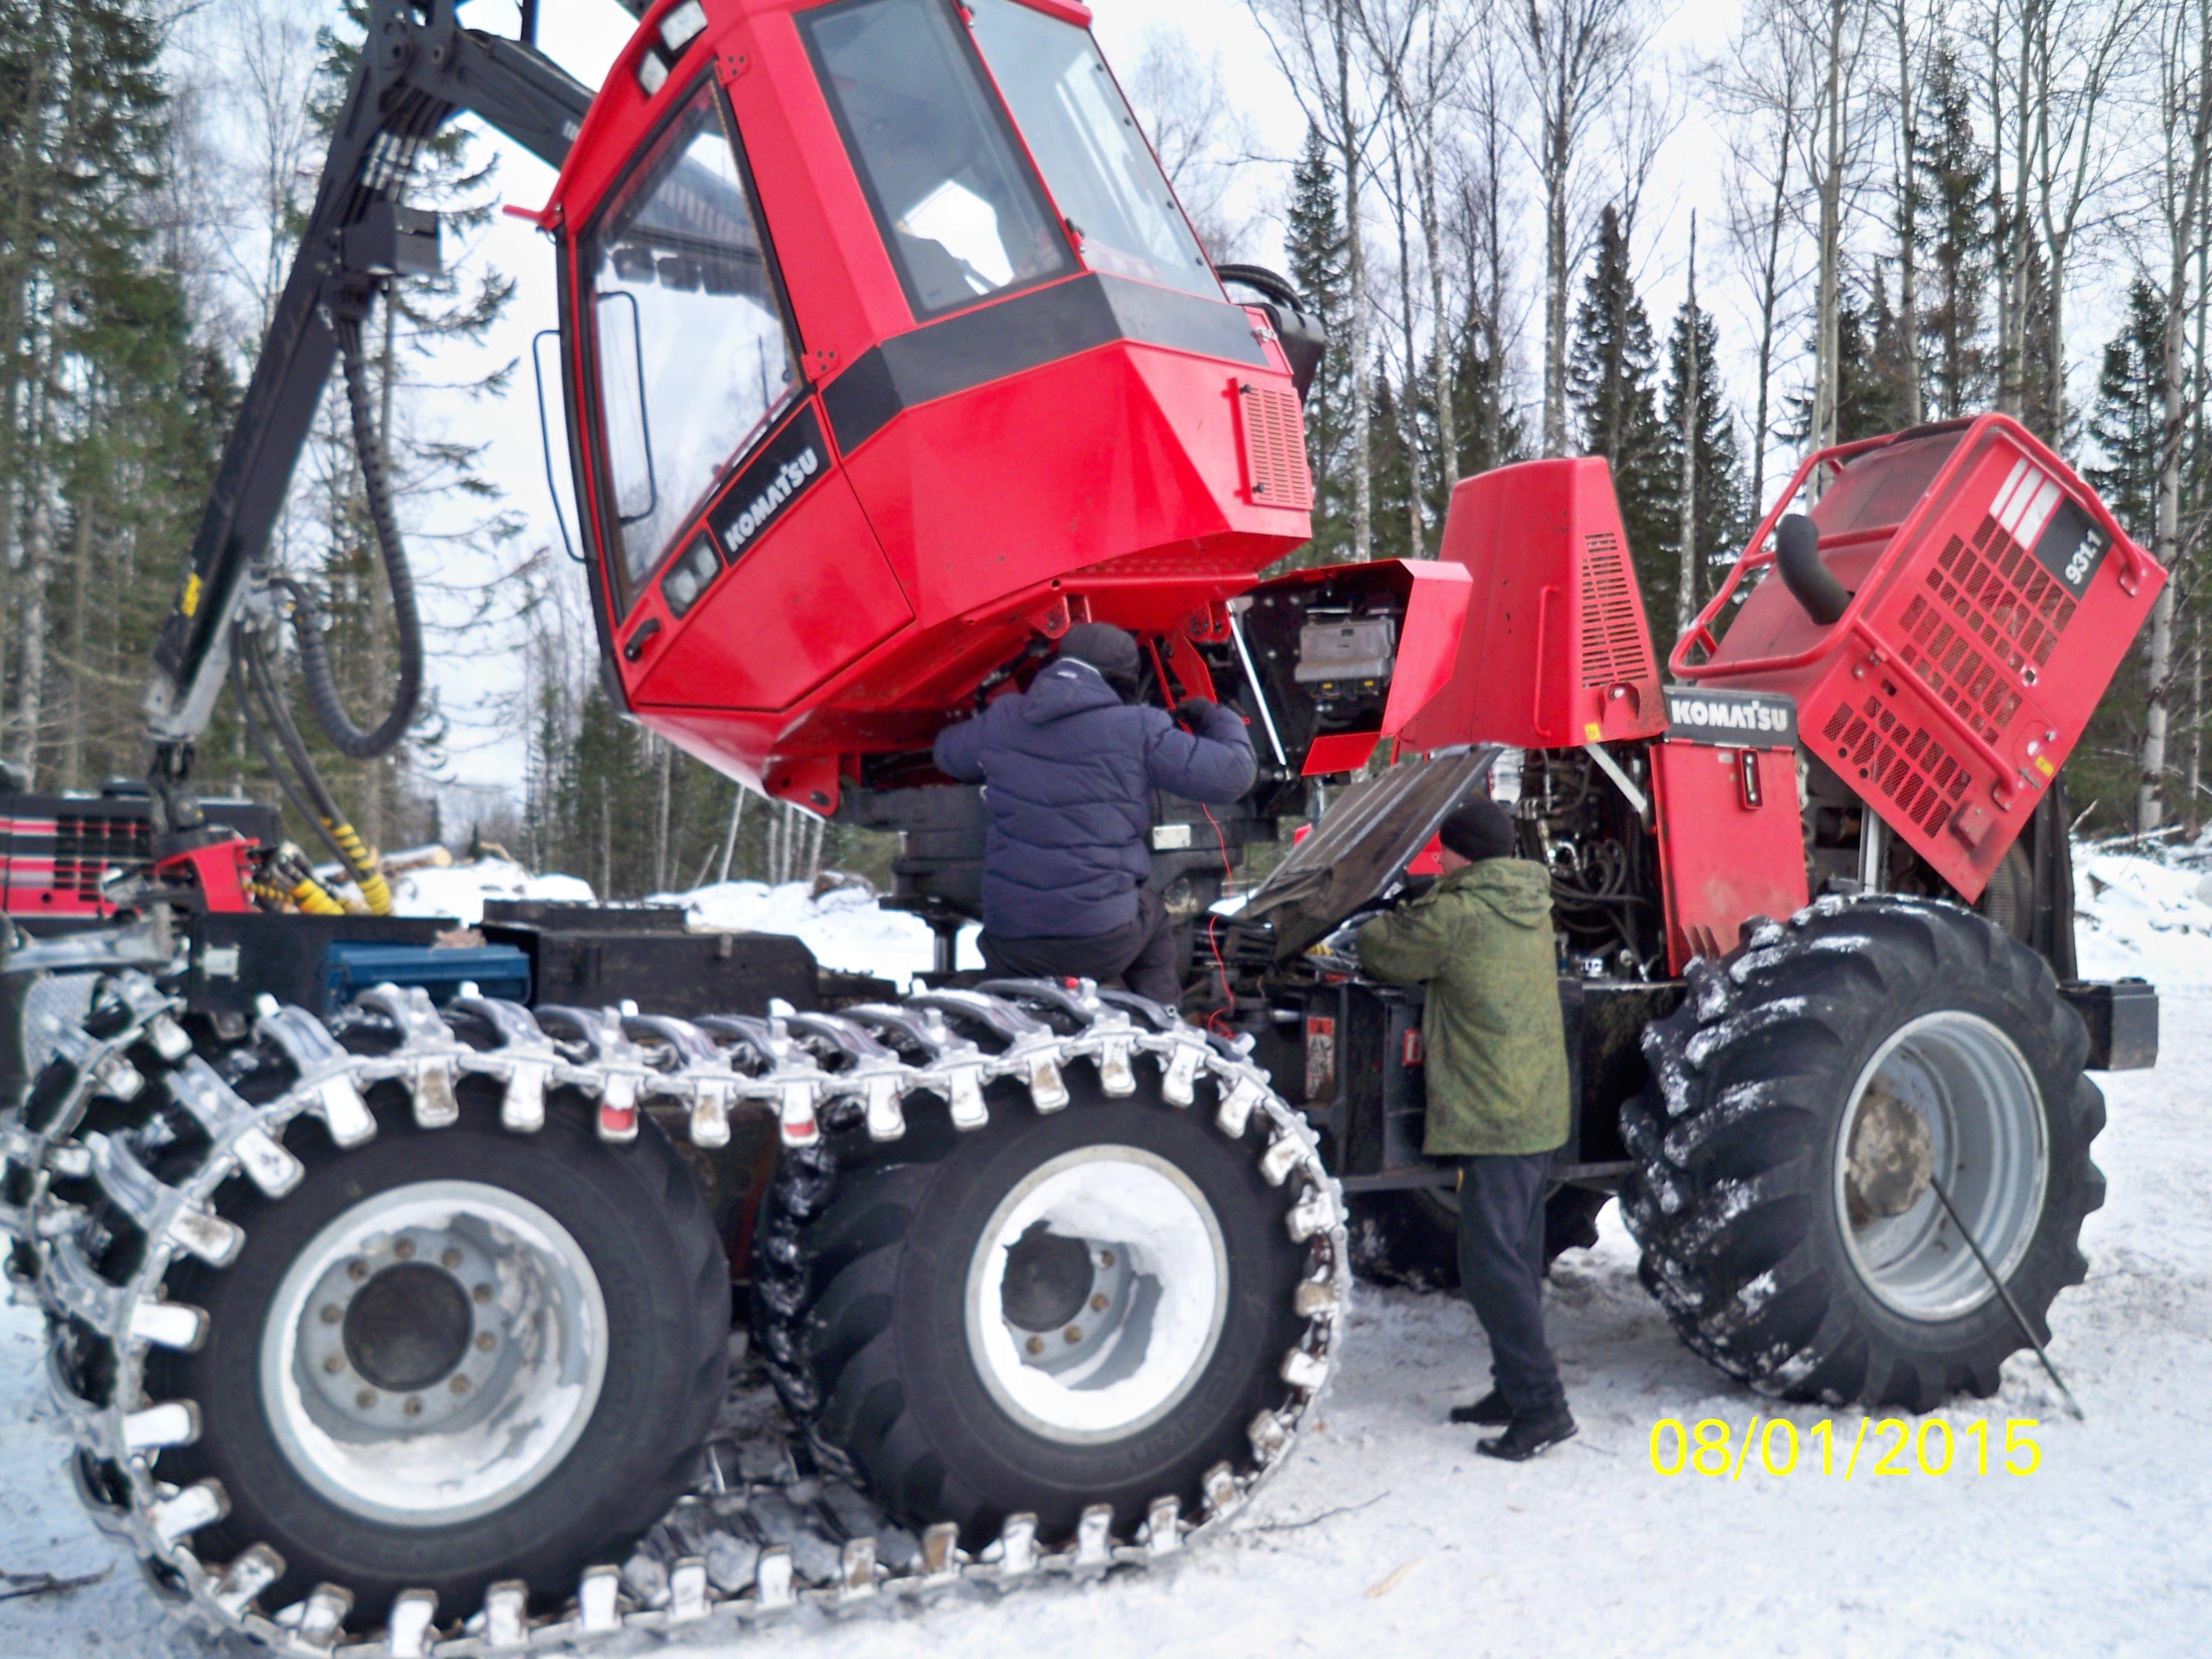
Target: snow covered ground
<point>843,926</point>
<point>2145,913</point>
<point>1387,1534</point>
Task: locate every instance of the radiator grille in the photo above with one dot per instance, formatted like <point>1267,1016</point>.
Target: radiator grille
<point>1274,447</point>
<point>1899,758</point>
<point>1614,646</point>
<point>1985,628</point>
<point>86,848</point>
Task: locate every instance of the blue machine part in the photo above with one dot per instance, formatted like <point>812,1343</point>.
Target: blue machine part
<point>496,970</point>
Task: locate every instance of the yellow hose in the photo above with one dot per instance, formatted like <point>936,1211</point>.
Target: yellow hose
<point>307,893</point>
<point>366,873</point>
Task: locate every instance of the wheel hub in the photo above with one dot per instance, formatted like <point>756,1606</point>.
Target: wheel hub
<point>1096,1294</point>
<point>1892,1157</point>
<point>433,1352</point>
<point>1948,1098</point>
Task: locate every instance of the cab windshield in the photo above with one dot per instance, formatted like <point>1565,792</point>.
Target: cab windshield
<point>958,205</point>
<point>691,347</point>
<point>1100,170</point>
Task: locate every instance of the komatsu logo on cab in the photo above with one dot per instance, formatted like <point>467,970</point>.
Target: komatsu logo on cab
<point>1757,720</point>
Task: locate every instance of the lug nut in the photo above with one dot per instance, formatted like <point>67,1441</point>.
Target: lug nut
<point>1098,1302</point>
<point>330,1313</point>
<point>334,1362</point>
<point>449,1257</point>
<point>1073,1333</point>
<point>405,1249</point>
<point>483,1293</point>
<point>1035,1344</point>
<point>484,1340</point>
<point>414,1405</point>
<point>1105,1258</point>
<point>356,1269</point>
<point>365,1398</point>
<point>458,1385</point>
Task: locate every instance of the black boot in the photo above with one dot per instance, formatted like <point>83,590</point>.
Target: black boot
<point>1530,1433</point>
<point>1491,1412</point>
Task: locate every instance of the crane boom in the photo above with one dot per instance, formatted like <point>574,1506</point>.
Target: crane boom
<point>418,68</point>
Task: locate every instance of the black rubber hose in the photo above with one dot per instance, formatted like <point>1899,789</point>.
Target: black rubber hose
<point>1260,280</point>
<point>258,738</point>
<point>315,661</point>
<point>1811,583</point>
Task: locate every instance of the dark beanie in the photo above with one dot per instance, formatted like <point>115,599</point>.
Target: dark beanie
<point>1478,829</point>
<point>1112,651</point>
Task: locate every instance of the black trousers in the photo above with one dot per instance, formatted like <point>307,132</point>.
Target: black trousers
<point>1501,1272</point>
<point>1141,955</point>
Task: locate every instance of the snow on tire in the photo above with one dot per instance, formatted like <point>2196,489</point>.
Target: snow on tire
<point>1807,1098</point>
<point>1089,1309</point>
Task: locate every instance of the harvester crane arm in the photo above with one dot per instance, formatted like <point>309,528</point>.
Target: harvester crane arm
<point>416,69</point>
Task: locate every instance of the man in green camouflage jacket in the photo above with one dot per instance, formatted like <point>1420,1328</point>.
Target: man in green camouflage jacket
<point>1480,942</point>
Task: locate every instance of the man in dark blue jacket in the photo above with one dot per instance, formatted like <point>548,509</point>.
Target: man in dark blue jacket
<point>1068,769</point>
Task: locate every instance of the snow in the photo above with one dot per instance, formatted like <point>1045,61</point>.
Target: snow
<point>2145,913</point>
<point>843,926</point>
<point>460,890</point>
<point>1385,1532</point>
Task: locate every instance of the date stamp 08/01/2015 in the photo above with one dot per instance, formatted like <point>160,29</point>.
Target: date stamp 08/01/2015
<point>1887,1445</point>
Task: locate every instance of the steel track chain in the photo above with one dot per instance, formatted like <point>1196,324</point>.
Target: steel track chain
<point>803,1071</point>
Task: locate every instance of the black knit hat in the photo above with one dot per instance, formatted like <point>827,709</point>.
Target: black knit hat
<point>1112,651</point>
<point>1478,829</point>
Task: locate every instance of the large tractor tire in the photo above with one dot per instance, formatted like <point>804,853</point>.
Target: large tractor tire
<point>1808,1097</point>
<point>1112,1292</point>
<point>343,1325</point>
<point>409,1332</point>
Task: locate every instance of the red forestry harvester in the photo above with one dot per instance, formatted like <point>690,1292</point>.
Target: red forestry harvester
<point>389,1284</point>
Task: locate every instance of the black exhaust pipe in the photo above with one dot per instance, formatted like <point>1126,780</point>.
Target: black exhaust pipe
<point>1811,583</point>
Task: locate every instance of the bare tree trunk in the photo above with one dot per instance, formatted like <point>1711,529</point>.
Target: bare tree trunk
<point>1829,299</point>
<point>1557,154</point>
<point>2185,98</point>
<point>1686,593</point>
<point>730,840</point>
<point>1908,230</point>
<point>79,670</point>
<point>1431,241</point>
<point>1355,249</point>
<point>1409,407</point>
<point>666,763</point>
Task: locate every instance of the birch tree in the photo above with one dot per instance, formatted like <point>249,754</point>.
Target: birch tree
<point>2185,111</point>
<point>1574,56</point>
<point>1321,47</point>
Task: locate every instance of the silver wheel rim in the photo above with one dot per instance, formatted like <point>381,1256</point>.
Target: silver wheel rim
<point>434,1353</point>
<point>1140,1331</point>
<point>1968,1083</point>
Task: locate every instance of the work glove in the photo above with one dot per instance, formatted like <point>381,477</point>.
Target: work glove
<point>1192,712</point>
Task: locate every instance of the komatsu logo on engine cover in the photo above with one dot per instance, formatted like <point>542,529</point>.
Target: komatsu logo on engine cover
<point>770,482</point>
<point>1742,719</point>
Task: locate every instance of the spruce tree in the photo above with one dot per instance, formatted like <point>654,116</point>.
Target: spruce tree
<point>1612,362</point>
<point>1719,509</point>
<point>1392,470</point>
<point>2129,410</point>
<point>1953,204</point>
<point>1317,251</point>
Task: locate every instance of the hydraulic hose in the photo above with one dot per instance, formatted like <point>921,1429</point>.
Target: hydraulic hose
<point>315,661</point>
<point>323,812</point>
